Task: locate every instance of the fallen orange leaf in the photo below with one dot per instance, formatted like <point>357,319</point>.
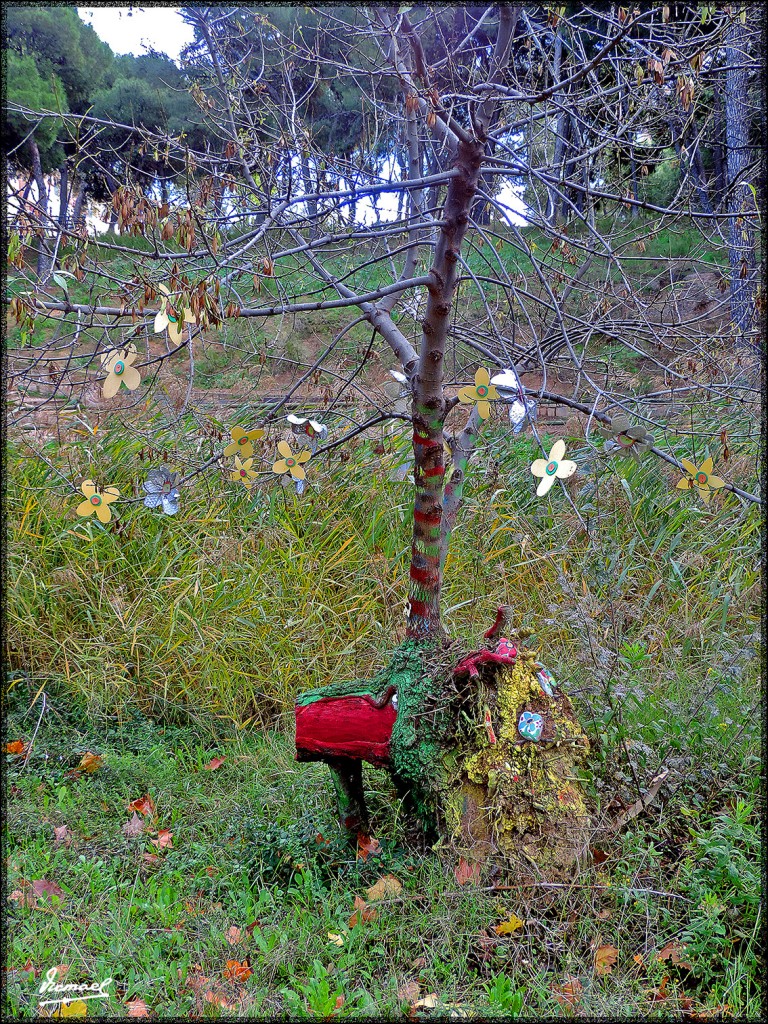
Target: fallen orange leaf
<point>605,958</point>
<point>569,993</point>
<point>90,762</point>
<point>362,912</point>
<point>15,747</point>
<point>387,885</point>
<point>24,898</point>
<point>237,971</point>
<point>137,1008</point>
<point>367,846</point>
<point>150,858</point>
<point>143,805</point>
<point>164,839</point>
<point>217,762</point>
<point>672,952</point>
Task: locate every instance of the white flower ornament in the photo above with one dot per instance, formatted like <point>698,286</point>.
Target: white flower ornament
<point>168,316</point>
<point>555,467</point>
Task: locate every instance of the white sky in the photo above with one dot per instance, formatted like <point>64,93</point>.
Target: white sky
<point>134,29</point>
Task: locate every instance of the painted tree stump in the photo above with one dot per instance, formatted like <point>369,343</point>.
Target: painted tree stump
<point>485,750</point>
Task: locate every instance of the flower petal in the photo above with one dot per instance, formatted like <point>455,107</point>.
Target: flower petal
<point>153,500</point>
<point>707,466</point>
<point>109,494</point>
<point>506,379</point>
<point>715,483</point>
<point>565,468</point>
<point>558,450</point>
<point>483,409</point>
<point>281,466</point>
<point>161,321</point>
<point>304,456</point>
<point>234,448</point>
<point>84,508</point>
<point>163,289</point>
<point>467,395</point>
<point>685,484</point>
<point>688,466</point>
<point>131,377</point>
<point>539,467</point>
<point>482,377</point>
<point>297,420</point>
<point>111,386</point>
<point>88,487</point>
<point>545,485</point>
<point>171,504</point>
<point>285,450</point>
<point>174,333</point>
<point>705,494</point>
<point>297,472</point>
<point>189,317</point>
<point>103,512</point>
<point>620,424</point>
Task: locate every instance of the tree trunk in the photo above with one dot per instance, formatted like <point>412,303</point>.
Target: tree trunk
<point>741,201</point>
<point>63,195</point>
<point>78,218</point>
<point>43,255</point>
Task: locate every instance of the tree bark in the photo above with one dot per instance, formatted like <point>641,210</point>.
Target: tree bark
<point>43,256</point>
<point>63,195</point>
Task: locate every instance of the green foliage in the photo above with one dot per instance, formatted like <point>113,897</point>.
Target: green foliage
<point>28,88</point>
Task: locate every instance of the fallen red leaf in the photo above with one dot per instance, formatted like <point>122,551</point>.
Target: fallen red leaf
<point>43,888</point>
<point>367,846</point>
<point>143,805</point>
<point>598,856</point>
<point>217,762</point>
<point>466,872</point>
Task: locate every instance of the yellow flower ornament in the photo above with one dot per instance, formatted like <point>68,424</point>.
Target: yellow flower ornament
<point>243,472</point>
<point>553,468</point>
<point>242,442</point>
<point>481,393</point>
<point>291,463</point>
<point>701,478</point>
<point>97,501</point>
<point>168,316</point>
<point>119,370</point>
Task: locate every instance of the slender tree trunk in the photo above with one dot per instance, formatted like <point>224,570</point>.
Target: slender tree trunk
<point>63,195</point>
<point>43,256</point>
<point>718,145</point>
<point>429,407</point>
<point>78,219</point>
<point>309,189</point>
<point>741,201</point>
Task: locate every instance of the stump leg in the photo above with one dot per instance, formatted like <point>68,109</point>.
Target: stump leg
<point>347,775</point>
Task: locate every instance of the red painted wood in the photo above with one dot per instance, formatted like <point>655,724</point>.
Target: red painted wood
<point>346,727</point>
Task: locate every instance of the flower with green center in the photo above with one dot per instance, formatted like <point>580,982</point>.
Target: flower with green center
<point>119,370</point>
<point>243,472</point>
<point>555,467</point>
<point>167,316</point>
<point>97,501</point>
<point>701,478</point>
<point>162,490</point>
<point>624,439</point>
<point>291,463</point>
<point>242,442</point>
<point>482,393</point>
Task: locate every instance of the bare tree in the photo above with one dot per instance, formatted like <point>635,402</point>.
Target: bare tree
<point>275,224</point>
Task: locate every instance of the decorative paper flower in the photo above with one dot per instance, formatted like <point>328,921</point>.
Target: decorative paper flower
<point>243,472</point>
<point>553,467</point>
<point>242,442</point>
<point>97,501</point>
<point>291,463</point>
<point>161,486</point>
<point>482,393</point>
<point>530,726</point>
<point>700,478</point>
<point>168,316</point>
<point>311,428</point>
<point>624,439</point>
<point>119,370</point>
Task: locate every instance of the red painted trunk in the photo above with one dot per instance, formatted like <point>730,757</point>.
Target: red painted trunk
<point>345,727</point>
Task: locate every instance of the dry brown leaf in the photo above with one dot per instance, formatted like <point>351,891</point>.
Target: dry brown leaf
<point>143,805</point>
<point>335,938</point>
<point>49,890</point>
<point>387,885</point>
<point>134,827</point>
<point>24,898</point>
<point>90,762</point>
<point>466,872</point>
<point>362,912</point>
<point>137,1008</point>
<point>150,858</point>
<point>233,936</point>
<point>427,1003</point>
<point>658,995</point>
<point>164,839</point>
<point>605,958</point>
<point>217,762</point>
<point>61,834</point>
<point>217,999</point>
<point>408,991</point>
<point>569,993</point>
<point>672,952</point>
